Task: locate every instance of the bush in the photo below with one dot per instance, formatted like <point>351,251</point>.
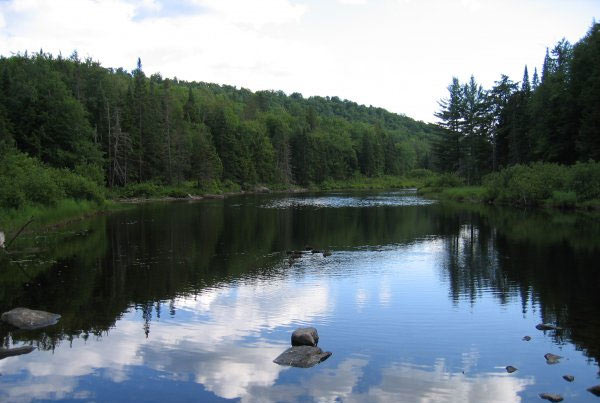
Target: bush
<point>585,180</point>
<point>25,180</point>
<point>144,189</point>
<point>445,180</point>
<point>526,185</point>
<point>562,199</point>
<point>79,187</point>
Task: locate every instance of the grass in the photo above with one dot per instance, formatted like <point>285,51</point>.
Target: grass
<point>11,220</point>
<point>474,194</point>
<point>365,183</point>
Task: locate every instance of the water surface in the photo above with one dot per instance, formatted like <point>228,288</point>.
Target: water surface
<point>419,301</point>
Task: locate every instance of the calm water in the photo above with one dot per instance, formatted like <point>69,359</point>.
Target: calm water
<point>419,301</point>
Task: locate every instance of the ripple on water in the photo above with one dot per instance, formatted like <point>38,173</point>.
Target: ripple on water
<point>392,199</point>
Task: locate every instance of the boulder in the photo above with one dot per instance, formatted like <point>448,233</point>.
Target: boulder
<point>29,319</point>
<point>547,326</point>
<point>326,253</point>
<point>11,352</point>
<point>569,378</point>
<point>595,390</point>
<point>552,358</point>
<point>551,397</point>
<point>262,189</point>
<point>302,356</point>
<point>305,336</point>
<point>510,369</point>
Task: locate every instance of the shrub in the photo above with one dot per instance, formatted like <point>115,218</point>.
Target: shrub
<point>445,180</point>
<point>562,199</point>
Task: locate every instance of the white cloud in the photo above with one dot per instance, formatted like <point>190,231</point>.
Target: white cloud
<point>397,54</point>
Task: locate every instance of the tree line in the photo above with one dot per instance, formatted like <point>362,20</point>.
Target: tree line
<point>554,116</point>
<point>125,128</point>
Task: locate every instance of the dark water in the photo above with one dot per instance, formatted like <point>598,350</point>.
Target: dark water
<point>419,301</point>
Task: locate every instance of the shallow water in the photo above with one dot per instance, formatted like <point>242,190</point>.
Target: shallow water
<point>419,301</point>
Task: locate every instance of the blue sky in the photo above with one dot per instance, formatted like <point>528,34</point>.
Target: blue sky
<point>397,54</point>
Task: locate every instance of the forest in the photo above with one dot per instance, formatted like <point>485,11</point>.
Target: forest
<point>71,129</point>
<point>119,128</point>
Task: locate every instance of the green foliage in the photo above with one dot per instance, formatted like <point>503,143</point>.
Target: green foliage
<point>24,180</point>
<point>443,180</point>
<point>119,128</point>
<point>560,185</point>
<point>561,199</point>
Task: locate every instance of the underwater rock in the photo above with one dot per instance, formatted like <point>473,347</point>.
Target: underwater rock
<point>569,378</point>
<point>29,319</point>
<point>11,352</point>
<point>527,338</point>
<point>302,356</point>
<point>305,336</point>
<point>551,397</point>
<point>547,326</point>
<point>595,390</point>
<point>552,358</point>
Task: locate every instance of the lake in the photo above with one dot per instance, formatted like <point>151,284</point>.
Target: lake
<point>418,301</point>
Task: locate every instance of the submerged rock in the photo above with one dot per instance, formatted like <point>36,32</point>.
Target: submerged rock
<point>11,352</point>
<point>569,378</point>
<point>305,336</point>
<point>510,369</point>
<point>527,338</point>
<point>302,356</point>
<point>547,326</point>
<point>551,397</point>
<point>552,358</point>
<point>595,390</point>
<point>29,319</point>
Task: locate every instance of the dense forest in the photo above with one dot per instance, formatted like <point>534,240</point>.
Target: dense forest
<point>70,128</point>
<point>552,117</point>
<point>128,128</point>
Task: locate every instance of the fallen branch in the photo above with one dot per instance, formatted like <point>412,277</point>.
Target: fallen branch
<point>18,233</point>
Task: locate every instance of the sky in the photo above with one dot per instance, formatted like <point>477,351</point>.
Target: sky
<point>396,54</point>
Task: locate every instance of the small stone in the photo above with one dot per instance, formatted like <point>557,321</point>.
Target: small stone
<point>547,326</point>
<point>551,397</point>
<point>305,336</point>
<point>29,319</point>
<point>510,369</point>
<point>595,390</point>
<point>302,356</point>
<point>569,378</point>
<point>552,358</point>
<point>527,338</point>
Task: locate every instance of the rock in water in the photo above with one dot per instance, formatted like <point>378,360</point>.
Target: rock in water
<point>551,397</point>
<point>11,352</point>
<point>29,319</point>
<point>569,378</point>
<point>595,390</point>
<point>547,326</point>
<point>527,338</point>
<point>552,358</point>
<point>302,356</point>
<point>510,369</point>
<point>305,336</point>
<point>326,253</point>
